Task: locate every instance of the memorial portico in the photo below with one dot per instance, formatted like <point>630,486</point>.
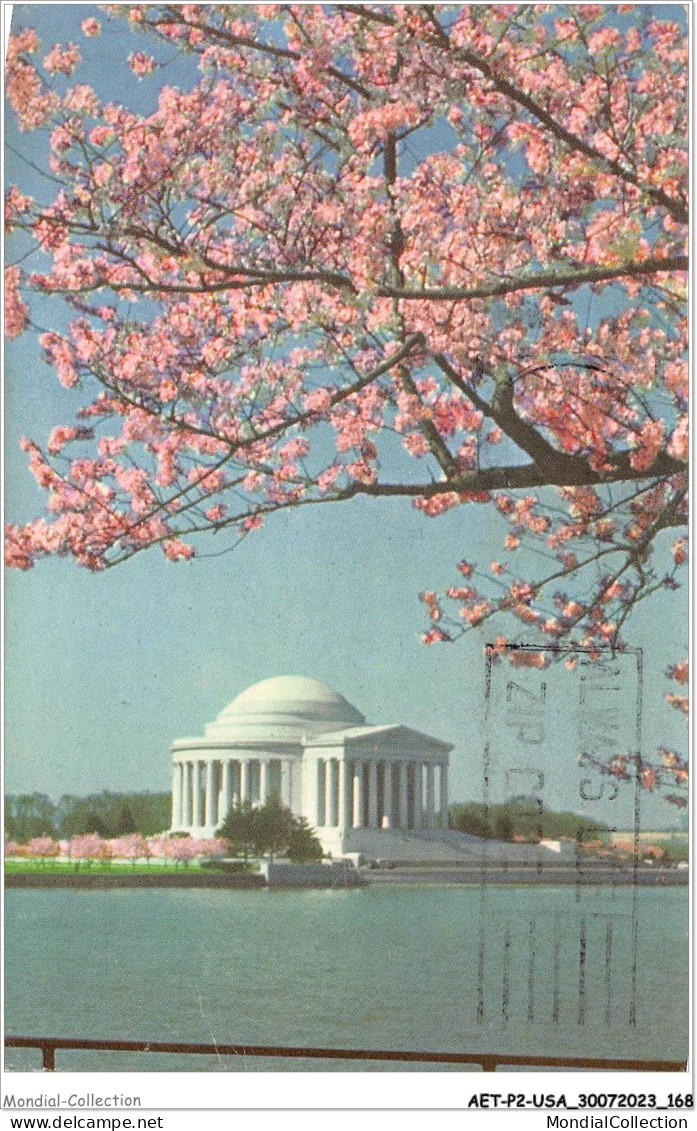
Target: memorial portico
<point>297,739</point>
<point>205,788</point>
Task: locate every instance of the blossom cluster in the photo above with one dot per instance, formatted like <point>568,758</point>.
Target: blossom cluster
<point>278,296</point>
<point>91,846</point>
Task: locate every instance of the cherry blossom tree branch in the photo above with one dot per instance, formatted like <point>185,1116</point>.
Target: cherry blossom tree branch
<point>550,466</point>
<point>255,247</point>
<point>543,280</point>
<point>675,208</point>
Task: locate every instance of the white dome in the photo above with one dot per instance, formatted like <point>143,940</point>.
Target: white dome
<point>284,709</point>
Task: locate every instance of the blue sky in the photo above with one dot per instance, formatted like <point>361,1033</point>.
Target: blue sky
<point>105,670</point>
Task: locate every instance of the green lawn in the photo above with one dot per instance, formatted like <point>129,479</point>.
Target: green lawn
<point>111,868</point>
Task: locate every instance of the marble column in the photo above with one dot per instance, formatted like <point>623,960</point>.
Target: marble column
<point>177,796</point>
<point>224,807</point>
<point>403,796</point>
<point>328,792</point>
<point>335,791</point>
<point>372,794</point>
<point>211,808</point>
<point>319,793</point>
<point>444,822</point>
<point>244,781</point>
<point>430,796</point>
<point>343,793</point>
<point>286,788</point>
<point>263,781</point>
<point>357,794</point>
<point>186,799</point>
<point>418,796</point>
<point>387,813</point>
<point>196,774</point>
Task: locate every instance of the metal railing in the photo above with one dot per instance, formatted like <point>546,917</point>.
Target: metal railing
<point>488,1062</point>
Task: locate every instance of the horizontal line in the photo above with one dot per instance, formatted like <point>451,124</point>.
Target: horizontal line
<point>489,1110</point>
<point>406,1056</point>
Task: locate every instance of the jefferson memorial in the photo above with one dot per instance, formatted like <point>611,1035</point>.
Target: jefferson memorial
<point>364,789</point>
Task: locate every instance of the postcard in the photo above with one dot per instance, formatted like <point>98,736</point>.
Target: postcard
<point>346,542</point>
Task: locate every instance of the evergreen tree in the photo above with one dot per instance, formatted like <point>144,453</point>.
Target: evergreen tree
<point>269,830</point>
<point>303,844</point>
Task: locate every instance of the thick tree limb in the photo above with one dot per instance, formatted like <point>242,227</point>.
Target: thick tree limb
<point>541,281</point>
<point>551,465</point>
<point>511,478</point>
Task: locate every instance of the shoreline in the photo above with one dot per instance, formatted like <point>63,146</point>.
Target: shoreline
<point>472,876</point>
<point>468,876</point>
<point>240,880</point>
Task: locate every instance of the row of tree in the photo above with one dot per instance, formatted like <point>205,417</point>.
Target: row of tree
<point>251,830</point>
<point>107,814</point>
<point>117,824</point>
<point>134,847</point>
<point>521,819</point>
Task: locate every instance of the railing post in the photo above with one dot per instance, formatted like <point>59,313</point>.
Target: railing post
<point>488,1064</point>
<point>49,1057</point>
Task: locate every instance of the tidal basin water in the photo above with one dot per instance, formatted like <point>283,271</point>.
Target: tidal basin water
<point>539,970</point>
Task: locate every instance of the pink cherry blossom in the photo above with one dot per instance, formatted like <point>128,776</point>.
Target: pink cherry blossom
<point>141,64</point>
<point>43,846</point>
<point>212,846</point>
<point>678,445</point>
<point>650,441</point>
<point>182,849</point>
<point>175,549</point>
<point>87,846</point>
<point>16,311</point>
<point>16,204</point>
<point>435,636</point>
<point>130,847</point>
<point>62,59</point>
<point>679,672</point>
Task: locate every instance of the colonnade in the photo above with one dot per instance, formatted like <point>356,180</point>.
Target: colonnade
<point>204,790</point>
<point>344,793</point>
<point>380,793</point>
